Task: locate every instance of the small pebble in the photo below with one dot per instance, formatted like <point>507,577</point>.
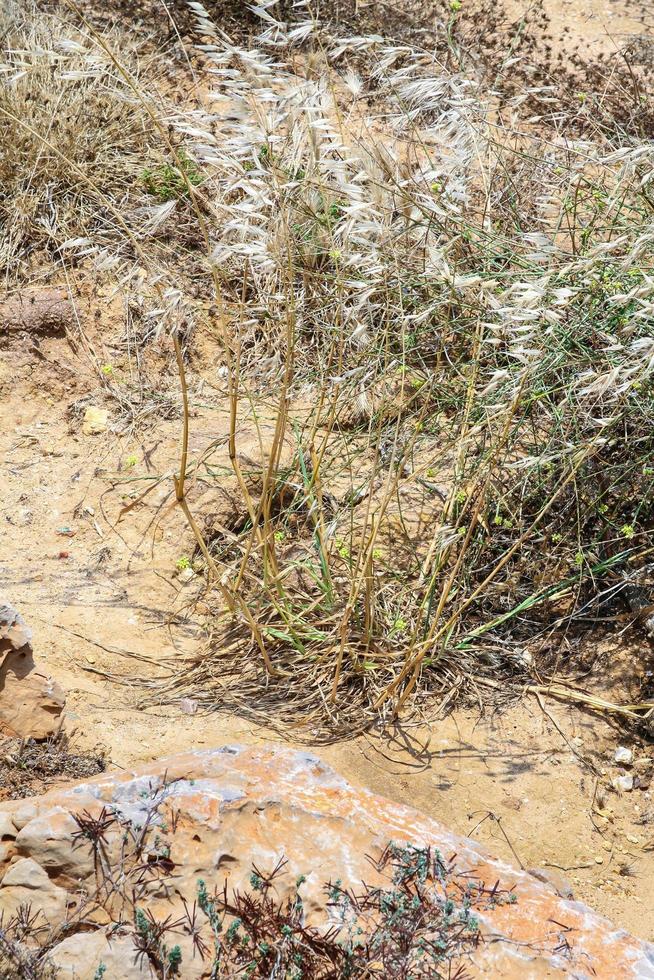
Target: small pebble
<point>188,706</point>
<point>623,756</point>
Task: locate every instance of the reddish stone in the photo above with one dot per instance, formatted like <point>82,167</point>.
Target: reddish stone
<point>224,810</point>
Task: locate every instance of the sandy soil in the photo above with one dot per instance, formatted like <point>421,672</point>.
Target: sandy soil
<point>101,591</point>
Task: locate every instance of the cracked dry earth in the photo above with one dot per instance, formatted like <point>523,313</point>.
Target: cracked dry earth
<point>101,591</point>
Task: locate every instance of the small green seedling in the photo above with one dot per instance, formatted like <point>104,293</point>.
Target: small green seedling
<point>168,182</point>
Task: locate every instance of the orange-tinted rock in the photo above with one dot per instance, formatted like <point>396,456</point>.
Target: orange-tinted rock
<point>26,884</point>
<point>218,812</point>
<point>31,703</point>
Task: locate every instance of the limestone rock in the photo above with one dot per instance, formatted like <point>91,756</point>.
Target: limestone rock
<point>213,814</point>
<point>31,703</point>
<point>555,879</point>
<point>95,420</point>
<point>623,756</point>
<point>50,840</point>
<point>25,883</point>
<point>8,828</point>
<point>80,956</point>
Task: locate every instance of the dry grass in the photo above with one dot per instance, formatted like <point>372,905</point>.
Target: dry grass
<point>74,138</point>
<point>453,313</point>
<point>28,768</point>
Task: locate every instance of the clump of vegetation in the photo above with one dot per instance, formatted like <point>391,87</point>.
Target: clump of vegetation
<point>17,960</point>
<point>420,918</point>
<point>452,324</point>
<point>28,767</point>
<point>74,139</point>
<point>172,182</point>
<point>474,321</point>
<point>424,923</point>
